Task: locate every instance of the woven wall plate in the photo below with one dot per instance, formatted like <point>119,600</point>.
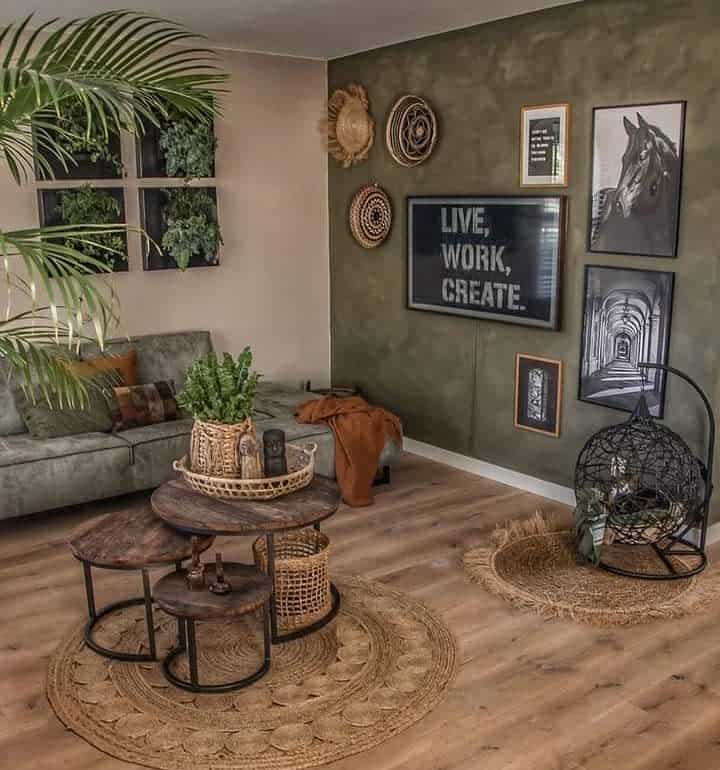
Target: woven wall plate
<point>411,130</point>
<point>350,128</point>
<point>370,216</point>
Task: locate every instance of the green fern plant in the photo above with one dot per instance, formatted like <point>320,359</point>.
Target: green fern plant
<point>190,227</point>
<point>78,138</point>
<point>188,147</point>
<point>220,391</point>
<point>85,205</point>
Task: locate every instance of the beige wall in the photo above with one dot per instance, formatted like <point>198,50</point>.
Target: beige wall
<point>271,289</point>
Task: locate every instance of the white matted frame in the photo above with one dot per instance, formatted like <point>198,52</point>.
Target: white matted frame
<point>544,145</point>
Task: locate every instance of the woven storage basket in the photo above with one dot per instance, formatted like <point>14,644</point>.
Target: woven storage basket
<point>301,469</point>
<point>214,447</point>
<point>302,577</point>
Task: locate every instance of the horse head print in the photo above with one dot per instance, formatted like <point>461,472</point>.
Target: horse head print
<point>649,170</point>
<point>640,214</point>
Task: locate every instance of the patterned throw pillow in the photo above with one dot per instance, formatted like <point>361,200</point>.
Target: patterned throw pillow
<point>144,405</point>
<point>124,363</point>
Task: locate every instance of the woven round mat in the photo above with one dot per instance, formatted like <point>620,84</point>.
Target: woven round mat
<point>378,668</point>
<point>534,566</point>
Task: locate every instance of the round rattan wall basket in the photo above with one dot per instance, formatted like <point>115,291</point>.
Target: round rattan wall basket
<point>370,216</point>
<point>350,128</point>
<point>411,131</point>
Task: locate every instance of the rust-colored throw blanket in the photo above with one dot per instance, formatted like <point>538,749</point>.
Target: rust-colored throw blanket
<point>360,434</point>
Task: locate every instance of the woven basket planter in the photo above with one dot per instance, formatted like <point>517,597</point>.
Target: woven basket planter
<point>214,447</point>
<point>302,576</point>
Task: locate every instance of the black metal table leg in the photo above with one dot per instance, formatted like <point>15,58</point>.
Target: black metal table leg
<point>95,616</point>
<point>187,642</point>
<point>149,620</point>
<point>192,652</point>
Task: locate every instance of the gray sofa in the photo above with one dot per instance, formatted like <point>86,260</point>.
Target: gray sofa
<point>41,474</point>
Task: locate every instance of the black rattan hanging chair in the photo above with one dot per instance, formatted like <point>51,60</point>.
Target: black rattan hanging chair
<point>655,492</point>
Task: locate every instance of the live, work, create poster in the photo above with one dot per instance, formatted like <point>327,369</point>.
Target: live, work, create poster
<point>492,258</point>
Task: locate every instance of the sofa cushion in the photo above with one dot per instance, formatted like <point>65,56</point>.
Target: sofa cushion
<point>45,422</point>
<point>160,356</point>
<point>160,431</point>
<point>280,399</point>
<point>125,364</point>
<point>11,421</point>
<point>38,475</point>
<point>23,448</point>
<point>141,405</point>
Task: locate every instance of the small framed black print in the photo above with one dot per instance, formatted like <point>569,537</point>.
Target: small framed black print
<point>538,394</point>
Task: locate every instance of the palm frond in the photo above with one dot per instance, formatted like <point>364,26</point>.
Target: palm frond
<point>116,64</point>
<point>115,67</point>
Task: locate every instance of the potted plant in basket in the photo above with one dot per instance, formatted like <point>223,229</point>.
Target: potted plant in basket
<point>219,395</point>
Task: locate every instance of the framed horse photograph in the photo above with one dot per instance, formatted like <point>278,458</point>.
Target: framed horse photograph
<point>637,179</point>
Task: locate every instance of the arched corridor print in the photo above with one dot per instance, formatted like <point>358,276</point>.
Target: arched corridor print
<point>626,323</point>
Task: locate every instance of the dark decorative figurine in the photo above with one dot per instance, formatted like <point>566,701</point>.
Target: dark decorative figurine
<point>220,586</point>
<point>196,573</point>
<point>274,452</point>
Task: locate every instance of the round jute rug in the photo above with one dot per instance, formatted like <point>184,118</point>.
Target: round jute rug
<point>378,668</point>
<point>533,564</point>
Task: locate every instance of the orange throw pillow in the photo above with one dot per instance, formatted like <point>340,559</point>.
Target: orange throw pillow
<point>126,364</point>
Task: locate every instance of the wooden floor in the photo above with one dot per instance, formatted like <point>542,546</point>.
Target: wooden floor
<point>530,694</point>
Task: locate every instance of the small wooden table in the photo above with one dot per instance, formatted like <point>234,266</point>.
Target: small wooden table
<point>180,506</point>
<point>251,589</point>
<point>134,539</point>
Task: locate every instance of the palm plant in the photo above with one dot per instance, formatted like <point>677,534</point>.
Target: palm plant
<point>126,70</point>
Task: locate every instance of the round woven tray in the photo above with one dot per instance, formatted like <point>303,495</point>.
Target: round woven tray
<point>301,468</point>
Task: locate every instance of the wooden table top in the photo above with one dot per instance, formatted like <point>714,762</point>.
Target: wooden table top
<point>251,588</point>
<point>132,539</point>
<point>182,507</point>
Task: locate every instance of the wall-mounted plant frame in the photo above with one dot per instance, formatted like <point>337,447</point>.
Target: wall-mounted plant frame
<point>151,161</point>
<point>153,201</point>
<point>49,202</point>
<point>86,168</point>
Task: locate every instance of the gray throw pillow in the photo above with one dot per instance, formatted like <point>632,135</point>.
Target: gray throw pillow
<point>43,421</point>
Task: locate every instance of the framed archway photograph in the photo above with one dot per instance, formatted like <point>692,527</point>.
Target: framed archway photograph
<point>626,322</point>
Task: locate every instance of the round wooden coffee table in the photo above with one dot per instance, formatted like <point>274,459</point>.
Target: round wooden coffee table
<point>180,506</point>
<point>251,589</point>
<point>134,539</point>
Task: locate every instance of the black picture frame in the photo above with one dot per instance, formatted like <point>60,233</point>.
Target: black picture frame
<point>611,378</point>
<point>549,214</point>
<point>540,411</point>
<point>151,204</point>
<point>637,234</point>
<point>150,162</point>
<point>85,168</point>
<point>49,198</point>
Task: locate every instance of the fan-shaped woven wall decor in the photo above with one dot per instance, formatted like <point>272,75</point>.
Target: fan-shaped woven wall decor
<point>350,128</point>
<point>411,130</point>
<point>370,216</point>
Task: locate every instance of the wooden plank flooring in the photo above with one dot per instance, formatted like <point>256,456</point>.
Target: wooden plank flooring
<point>530,694</point>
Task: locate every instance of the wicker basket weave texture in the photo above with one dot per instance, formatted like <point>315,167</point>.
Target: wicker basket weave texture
<point>301,469</point>
<point>302,576</point>
<point>214,447</point>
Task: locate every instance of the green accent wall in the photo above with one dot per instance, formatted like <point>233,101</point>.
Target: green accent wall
<point>451,379</point>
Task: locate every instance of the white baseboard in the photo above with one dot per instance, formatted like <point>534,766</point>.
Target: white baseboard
<point>512,478</point>
<point>507,476</point>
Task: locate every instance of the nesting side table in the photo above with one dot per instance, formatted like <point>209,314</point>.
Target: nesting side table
<point>133,539</point>
<point>251,589</point>
<point>191,512</point>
